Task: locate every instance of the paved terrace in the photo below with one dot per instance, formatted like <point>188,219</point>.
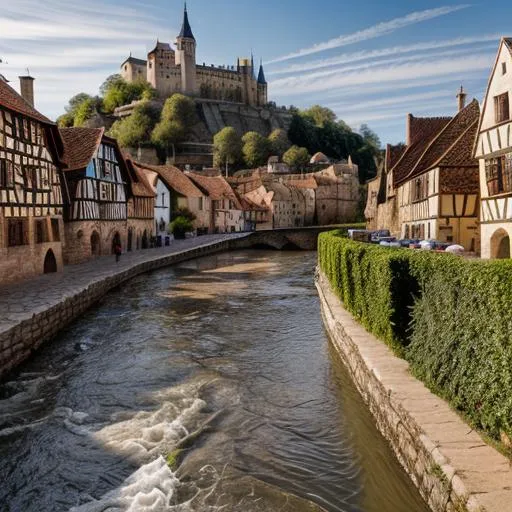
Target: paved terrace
<point>32,311</point>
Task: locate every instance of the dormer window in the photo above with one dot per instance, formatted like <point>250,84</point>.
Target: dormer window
<point>501,108</point>
<point>503,68</point>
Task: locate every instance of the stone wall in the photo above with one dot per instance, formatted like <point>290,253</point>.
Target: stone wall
<point>450,464</point>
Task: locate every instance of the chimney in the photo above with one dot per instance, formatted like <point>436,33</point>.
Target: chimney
<point>408,130</point>
<point>461,98</point>
<point>27,88</point>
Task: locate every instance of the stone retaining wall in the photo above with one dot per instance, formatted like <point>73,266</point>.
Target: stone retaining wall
<point>18,342</point>
<point>452,467</point>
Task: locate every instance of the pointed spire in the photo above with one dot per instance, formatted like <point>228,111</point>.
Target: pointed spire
<point>261,74</point>
<point>252,67</point>
<point>186,31</point>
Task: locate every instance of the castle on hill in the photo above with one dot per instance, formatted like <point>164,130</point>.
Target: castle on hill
<point>170,71</point>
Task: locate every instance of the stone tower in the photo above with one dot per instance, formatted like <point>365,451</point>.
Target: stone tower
<point>262,87</point>
<point>245,68</point>
<point>186,57</point>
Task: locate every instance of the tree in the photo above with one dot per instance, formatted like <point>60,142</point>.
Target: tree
<point>119,92</point>
<point>176,120</point>
<point>369,136</point>
<point>111,81</point>
<point>227,147</point>
<point>134,129</point>
<point>255,149</point>
<point>86,110</point>
<point>320,115</point>
<point>65,120</point>
<point>296,157</point>
<point>279,142</point>
<point>75,102</point>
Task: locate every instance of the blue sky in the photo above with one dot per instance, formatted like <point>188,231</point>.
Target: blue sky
<point>370,61</point>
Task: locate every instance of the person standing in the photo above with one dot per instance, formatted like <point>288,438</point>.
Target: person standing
<point>118,251</point>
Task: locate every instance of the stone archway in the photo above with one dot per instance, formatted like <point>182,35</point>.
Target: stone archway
<point>95,244</point>
<point>50,263</point>
<point>500,244</point>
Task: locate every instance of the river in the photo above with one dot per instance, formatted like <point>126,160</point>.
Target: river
<point>208,386</point>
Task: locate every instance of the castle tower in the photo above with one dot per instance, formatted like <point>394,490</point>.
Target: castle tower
<point>249,83</point>
<point>461,98</point>
<point>186,56</point>
<point>262,87</point>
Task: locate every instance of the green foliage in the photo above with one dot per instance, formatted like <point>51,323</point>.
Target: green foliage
<point>320,115</point>
<point>135,129</point>
<point>317,129</point>
<point>255,149</point>
<point>448,316</point>
<point>172,459</point>
<point>227,147</point>
<point>369,136</point>
<point>111,80</point>
<point>279,142</point>
<point>180,225</point>
<point>86,110</point>
<point>176,120</point>
<point>184,212</point>
<point>118,92</point>
<point>65,120</point>
<point>296,158</point>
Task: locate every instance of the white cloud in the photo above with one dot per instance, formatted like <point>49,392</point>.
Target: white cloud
<point>365,55</point>
<point>380,74</point>
<point>381,29</point>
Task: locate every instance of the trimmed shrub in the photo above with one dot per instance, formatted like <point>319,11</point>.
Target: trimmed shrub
<point>449,317</point>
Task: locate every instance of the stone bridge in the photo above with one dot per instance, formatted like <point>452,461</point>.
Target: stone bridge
<point>304,238</point>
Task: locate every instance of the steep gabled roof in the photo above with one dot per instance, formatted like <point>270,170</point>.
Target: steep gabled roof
<point>424,131</point>
<point>186,31</point>
<point>80,144</point>
<point>175,179</point>
<point>261,76</point>
<point>216,187</point>
<point>161,46</point>
<point>134,60</point>
<point>140,186</point>
<point>451,144</point>
<point>11,100</point>
<point>393,154</point>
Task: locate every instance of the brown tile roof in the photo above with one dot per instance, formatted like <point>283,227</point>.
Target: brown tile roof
<point>249,205</point>
<point>393,154</point>
<point>319,157</point>
<point>175,179</point>
<point>452,145</point>
<point>216,187</point>
<point>424,132</point>
<point>141,187</point>
<point>459,180</point>
<point>80,144</point>
<point>11,100</point>
<point>307,182</point>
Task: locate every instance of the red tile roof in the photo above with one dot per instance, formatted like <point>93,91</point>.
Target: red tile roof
<point>452,145</point>
<point>11,100</point>
<point>141,187</point>
<point>216,187</point>
<point>80,144</point>
<point>175,179</point>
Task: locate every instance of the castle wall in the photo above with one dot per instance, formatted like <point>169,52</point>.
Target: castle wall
<point>132,71</point>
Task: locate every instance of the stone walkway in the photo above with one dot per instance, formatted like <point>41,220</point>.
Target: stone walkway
<point>20,301</point>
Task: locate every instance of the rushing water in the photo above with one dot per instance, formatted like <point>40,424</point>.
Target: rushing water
<point>223,357</point>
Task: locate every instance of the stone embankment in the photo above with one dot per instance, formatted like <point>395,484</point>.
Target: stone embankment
<point>450,464</point>
<point>35,310</point>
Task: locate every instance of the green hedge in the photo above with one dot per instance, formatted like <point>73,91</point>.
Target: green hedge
<point>451,318</point>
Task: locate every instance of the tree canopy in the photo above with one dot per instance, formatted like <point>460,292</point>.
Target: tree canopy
<point>279,142</point>
<point>296,158</point>
<point>119,92</point>
<point>135,129</point>
<point>319,115</point>
<point>227,147</point>
<point>255,149</point>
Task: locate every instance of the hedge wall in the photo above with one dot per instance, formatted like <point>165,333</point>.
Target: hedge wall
<point>451,318</point>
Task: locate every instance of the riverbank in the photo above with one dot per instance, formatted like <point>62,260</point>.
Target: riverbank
<point>450,464</point>
<point>35,310</point>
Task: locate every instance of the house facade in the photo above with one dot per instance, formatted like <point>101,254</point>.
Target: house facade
<point>31,202</point>
<point>98,182</point>
<point>428,189</point>
<point>493,149</point>
<point>176,191</point>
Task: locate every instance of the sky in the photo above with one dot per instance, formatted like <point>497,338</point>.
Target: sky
<point>370,61</point>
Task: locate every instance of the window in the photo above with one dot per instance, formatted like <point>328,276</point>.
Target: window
<point>6,174</point>
<point>503,68</point>
<point>55,230</point>
<point>41,234</point>
<point>18,232</point>
<point>30,175</point>
<point>200,203</point>
<point>501,110</point>
<point>498,173</point>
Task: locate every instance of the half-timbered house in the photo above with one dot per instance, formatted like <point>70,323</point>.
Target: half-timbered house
<point>175,191</point>
<point>99,185</point>
<point>432,189</point>
<point>141,210</point>
<point>493,149</point>
<point>31,227</point>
